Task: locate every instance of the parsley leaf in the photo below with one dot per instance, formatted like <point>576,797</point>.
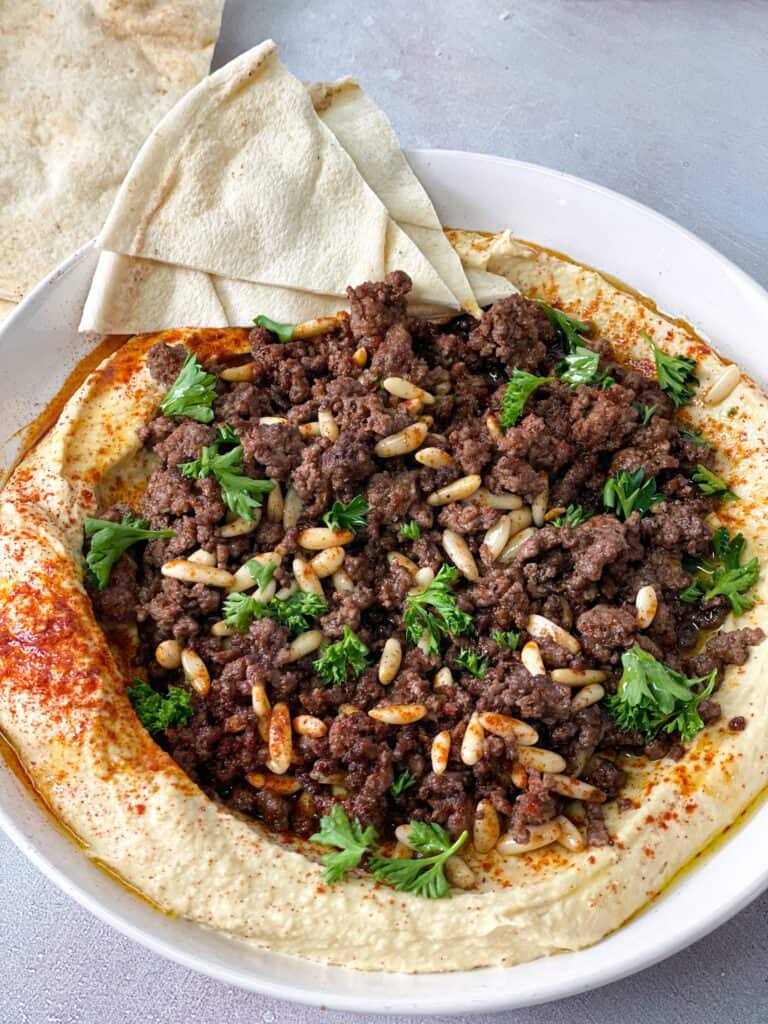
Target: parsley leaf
<point>156,712</point>
<point>520,388</point>
<point>192,393</point>
<point>410,530</point>
<point>241,493</point>
<point>405,780</point>
<point>574,515</point>
<point>696,437</point>
<point>352,840</point>
<point>506,638</point>
<point>261,572</point>
<point>109,541</point>
<point>568,328</point>
<point>582,366</point>
<point>652,698</point>
<point>626,493</point>
<point>675,374</point>
<point>447,619</point>
<point>473,663</point>
<point>646,412</point>
<point>337,659</point>
<point>711,484</point>
<point>295,612</point>
<point>283,331</point>
<point>726,577</point>
<point>425,875</point>
<point>348,515</point>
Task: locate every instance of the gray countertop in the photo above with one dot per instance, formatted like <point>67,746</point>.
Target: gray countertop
<point>666,102</point>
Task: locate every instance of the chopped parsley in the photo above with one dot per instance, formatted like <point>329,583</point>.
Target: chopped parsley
<point>627,492</point>
<point>350,838</point>
<point>283,331</point>
<point>109,541</point>
<point>473,663</point>
<point>712,485</point>
<point>192,394</point>
<point>410,530</point>
<point>295,612</point>
<point>582,366</point>
<point>405,780</point>
<point>348,515</point>
<point>424,875</point>
<point>675,373</point>
<point>447,619</point>
<point>241,493</point>
<point>568,328</point>
<point>574,515</point>
<point>726,577</point>
<point>653,698</point>
<point>519,389</point>
<point>506,638</point>
<point>261,572</point>
<point>156,712</point>
<point>696,437</point>
<point>337,659</point>
<point>646,412</point>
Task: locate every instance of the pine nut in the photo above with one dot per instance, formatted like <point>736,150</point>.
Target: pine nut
<point>539,836</point>
<point>473,741</point>
<point>191,572</point>
<point>422,580</point>
<point>306,577</point>
<point>281,785</point>
<point>441,748</point>
<point>238,373</point>
<point>221,628</point>
<point>348,709</point>
<point>586,697</point>
<point>398,714</point>
<point>309,725</point>
<point>515,543</point>
<point>434,458</point>
<point>724,385</point>
<point>402,852</point>
<point>485,828</point>
<point>554,513</point>
<point>570,835</point>
<point>502,502</point>
<point>519,776</point>
<point>202,557</point>
<point>647,604</point>
<point>403,442</point>
<point>292,506</point>
<point>243,579</point>
<point>578,677</point>
<point>401,388</point>
<point>195,672</point>
<point>493,427</point>
<point>413,405</point>
<point>288,591</point>
<point>342,581</point>
<point>326,562</point>
<point>317,538</point>
<point>317,326</point>
<point>566,785</point>
<point>443,678</point>
<point>546,629</point>
<point>328,426</point>
<point>395,558</point>
<point>389,663</point>
<point>458,551</point>
<point>310,429</point>
<point>360,357</point>
<point>505,725</point>
<point>280,739</point>
<point>541,760</point>
<point>267,421</point>
<point>403,835</point>
<point>241,527</point>
<point>304,644</point>
<point>275,504</point>
<point>456,491</point>
<point>539,507</point>
<point>459,874</point>
<point>260,701</point>
<point>496,537</point>
<point>168,654</point>
<point>531,659</point>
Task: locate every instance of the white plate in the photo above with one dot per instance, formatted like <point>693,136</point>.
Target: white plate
<point>39,345</point>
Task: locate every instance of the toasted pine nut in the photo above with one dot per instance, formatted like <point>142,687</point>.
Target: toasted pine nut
<point>241,527</point>
<point>260,701</point>
<point>422,580</point>
<point>304,644</point>
<point>430,420</point>
<point>398,714</point>
<point>541,760</point>
<point>504,502</point>
<point>404,441</point>
<point>402,852</point>
<point>588,696</point>
<point>348,709</point>
<point>316,326</point>
<point>485,828</point>
<point>724,385</point>
<point>505,725</point>
<point>237,373</point>
<point>328,426</point>
<point>578,676</point>
<point>326,562</point>
<point>566,785</point>
<point>473,741</point>
<point>221,628</point>
<point>647,604</point>
<point>394,557</point>
<point>243,579</point>
<point>413,405</point>
<point>553,513</point>
<point>282,785</point>
<point>202,557</point>
<point>310,429</point>
<point>539,507</point>
<point>493,427</point>
<point>458,551</point>
<point>531,659</point>
<point>192,572</point>
<point>519,776</point>
<point>360,357</point>
<point>266,421</point>
<point>306,577</point>
<point>441,748</point>
<point>403,835</point>
<point>434,458</point>
<point>317,538</point>
<point>459,874</point>
<point>543,628</point>
<point>195,672</point>
<point>168,654</point>
<point>285,592</point>
<point>401,388</point>
<point>292,506</point>
<point>389,663</point>
<point>342,581</point>
<point>309,725</point>
<point>280,739</point>
<point>570,835</point>
<point>275,504</point>
<point>456,491</point>
<point>443,677</point>
<point>496,537</point>
<point>539,836</point>
<point>516,541</point>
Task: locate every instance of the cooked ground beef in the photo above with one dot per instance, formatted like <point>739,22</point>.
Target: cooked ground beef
<point>583,578</point>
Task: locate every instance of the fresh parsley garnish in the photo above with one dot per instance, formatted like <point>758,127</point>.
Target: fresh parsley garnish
<point>627,492</point>
<point>568,328</point>
<point>520,388</point>
<point>712,485</point>
<point>696,437</point>
<point>582,366</point>
<point>726,577</point>
<point>473,663</point>
<point>192,394</point>
<point>156,712</point>
<point>283,331</point>
<point>109,541</point>
<point>405,780</point>
<point>295,612</point>
<point>645,411</point>
<point>676,374</point>
<point>337,659</point>
<point>261,572</point>
<point>348,515</point>
<point>506,638</point>
<point>653,698</point>
<point>424,875</point>
<point>446,619</point>
<point>574,515</point>
<point>410,530</point>
<point>241,493</point>
<point>352,840</point>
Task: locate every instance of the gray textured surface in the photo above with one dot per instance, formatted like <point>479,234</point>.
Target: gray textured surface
<point>666,102</point>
